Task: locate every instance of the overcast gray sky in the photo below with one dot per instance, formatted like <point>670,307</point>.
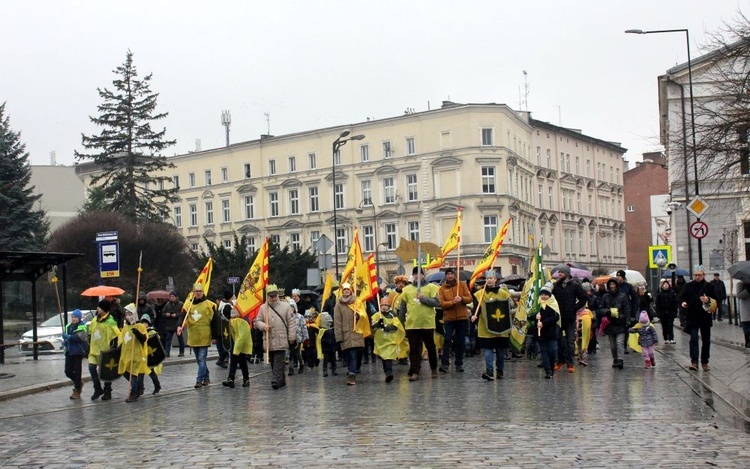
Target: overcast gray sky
<point>313,64</point>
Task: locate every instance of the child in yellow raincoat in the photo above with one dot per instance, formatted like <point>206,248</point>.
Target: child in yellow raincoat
<point>133,353</point>
<point>242,338</point>
<point>389,333</point>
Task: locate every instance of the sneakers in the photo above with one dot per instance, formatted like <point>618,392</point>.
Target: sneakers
<point>443,369</point>
<point>583,359</point>
<point>76,394</point>
<point>499,374</point>
<point>559,365</point>
<point>648,365</point>
<point>434,374</point>
<point>245,383</point>
<point>351,380</point>
<point>693,367</point>
<point>459,368</point>
<point>228,383</point>
<point>570,368</point>
<point>97,394</point>
<point>487,376</point>
<point>414,377</point>
<point>221,364</point>
<point>548,374</point>
<point>705,367</point>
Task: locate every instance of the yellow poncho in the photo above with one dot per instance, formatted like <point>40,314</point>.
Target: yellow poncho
<point>387,344</point>
<point>133,353</point>
<point>243,340</point>
<point>101,332</point>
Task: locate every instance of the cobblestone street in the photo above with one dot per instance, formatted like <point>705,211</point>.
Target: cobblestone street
<point>595,417</point>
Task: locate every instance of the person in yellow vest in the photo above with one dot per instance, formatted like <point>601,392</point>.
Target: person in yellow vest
<point>417,313</point>
<point>199,320</point>
<point>389,332</point>
<point>395,296</point>
<point>493,319</point>
<point>242,339</point>
<point>133,353</point>
<point>102,331</point>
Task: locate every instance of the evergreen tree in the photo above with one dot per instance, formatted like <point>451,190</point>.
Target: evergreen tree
<point>128,150</point>
<point>22,227</point>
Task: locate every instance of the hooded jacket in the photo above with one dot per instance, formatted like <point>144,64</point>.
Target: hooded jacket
<point>616,307</point>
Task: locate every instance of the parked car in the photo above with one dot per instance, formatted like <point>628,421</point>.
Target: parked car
<point>49,334</point>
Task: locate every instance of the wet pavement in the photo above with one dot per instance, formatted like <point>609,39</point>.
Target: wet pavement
<point>595,417</point>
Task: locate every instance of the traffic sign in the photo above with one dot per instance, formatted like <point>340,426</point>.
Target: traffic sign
<point>233,280</point>
<point>109,259</point>
<point>323,244</point>
<point>698,229</point>
<point>106,236</point>
<point>659,255</point>
<point>697,206</point>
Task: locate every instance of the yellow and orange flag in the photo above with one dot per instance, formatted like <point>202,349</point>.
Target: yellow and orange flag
<point>366,279</point>
<point>204,278</point>
<point>353,259</point>
<point>450,244</point>
<point>490,254</point>
<point>250,297</point>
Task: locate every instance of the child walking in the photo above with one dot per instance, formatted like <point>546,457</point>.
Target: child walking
<point>547,328</point>
<point>647,338</point>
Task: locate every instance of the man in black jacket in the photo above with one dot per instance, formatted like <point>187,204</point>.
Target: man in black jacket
<point>695,298</point>
<point>721,296</point>
<point>570,297</point>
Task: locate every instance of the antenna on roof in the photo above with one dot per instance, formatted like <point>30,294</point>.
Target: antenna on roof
<point>268,122</point>
<point>525,91</point>
<point>226,120</point>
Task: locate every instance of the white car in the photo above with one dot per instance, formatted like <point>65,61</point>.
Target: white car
<point>49,334</point>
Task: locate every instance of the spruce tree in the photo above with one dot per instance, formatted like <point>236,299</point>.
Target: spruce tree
<point>22,226</point>
<point>127,149</point>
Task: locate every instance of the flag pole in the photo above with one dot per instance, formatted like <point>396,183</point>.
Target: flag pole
<point>458,257</point>
<point>137,292</point>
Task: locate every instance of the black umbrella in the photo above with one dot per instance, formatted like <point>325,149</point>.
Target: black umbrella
<point>740,271</point>
<point>575,264</point>
<point>438,277</point>
<point>309,292</point>
<point>514,279</point>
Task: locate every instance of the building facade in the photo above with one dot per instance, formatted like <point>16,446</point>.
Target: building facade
<point>406,178</point>
<point>62,192</point>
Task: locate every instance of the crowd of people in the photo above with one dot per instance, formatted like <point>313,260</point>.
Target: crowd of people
<point>409,323</point>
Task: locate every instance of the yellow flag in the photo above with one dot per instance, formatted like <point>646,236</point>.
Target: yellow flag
<point>250,297</point>
<point>365,279</point>
<point>361,319</point>
<point>326,290</point>
<point>354,257</point>
<point>490,254</point>
<point>454,239</point>
<point>204,278</point>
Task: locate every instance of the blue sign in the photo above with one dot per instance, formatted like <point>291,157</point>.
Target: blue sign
<point>109,259</point>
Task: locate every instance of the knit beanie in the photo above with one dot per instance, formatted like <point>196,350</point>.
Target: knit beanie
<point>643,319</point>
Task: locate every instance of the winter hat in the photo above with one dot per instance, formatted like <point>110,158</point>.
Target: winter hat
<point>621,273</point>
<point>346,286</point>
<point>643,319</point>
<point>174,293</point>
<point>293,303</point>
<point>146,318</point>
<point>142,296</point>
<point>104,305</point>
<point>227,295</point>
<point>130,308</point>
<point>547,288</point>
<point>586,286</point>
<point>417,270</point>
<point>326,321</point>
<point>564,270</point>
<point>613,280</point>
<point>449,269</point>
<point>77,314</point>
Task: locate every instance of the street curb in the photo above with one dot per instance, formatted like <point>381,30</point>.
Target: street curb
<point>36,388</point>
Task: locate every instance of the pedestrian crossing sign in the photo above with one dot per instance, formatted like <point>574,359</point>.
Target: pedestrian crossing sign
<point>659,255</point>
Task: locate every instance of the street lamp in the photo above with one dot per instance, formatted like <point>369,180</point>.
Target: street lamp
<point>692,120</point>
<point>338,143</point>
<point>368,203</point>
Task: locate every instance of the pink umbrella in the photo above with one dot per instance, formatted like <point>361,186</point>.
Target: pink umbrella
<point>576,273</point>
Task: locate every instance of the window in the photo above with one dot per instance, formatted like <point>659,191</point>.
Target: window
<point>389,191</point>
<point>562,161</point>
<point>337,158</point>
<point>631,208</point>
<point>227,244</point>
<point>367,192</point>
<point>549,197</point>
<point>226,216</point>
<point>549,158</point>
<point>411,187</point>
<point>490,228</point>
<point>176,182</point>
<point>413,231</point>
<point>578,203</point>
<point>177,215</point>
<point>271,167</point>
<point>567,162</point>
<point>541,196</point>
<point>312,160</point>
<point>251,244</point>
<point>552,241</point>
<point>314,237</point>
<point>578,165</point>
<point>247,172</point>
<point>538,156</point>
<point>588,168</point>
<point>390,235</point>
<point>194,247</point>
<point>742,134</point>
<point>209,213</point>
<point>488,179</point>
<point>591,204</point>
<point>273,198</point>
<point>369,237</point>
<point>224,175</point>
<point>249,207</point>
<point>364,153</point>
<point>445,140</point>
<point>294,241</point>
<point>341,245</point>
<point>191,180</point>
<point>207,177</point>
<point>294,202</point>
<point>314,202</point>
<point>275,239</point>
<point>387,150</point>
<point>410,148</point>
<point>292,164</point>
<point>487,137</point>
<point>193,209</point>
<point>160,184</point>
<point>338,196</point>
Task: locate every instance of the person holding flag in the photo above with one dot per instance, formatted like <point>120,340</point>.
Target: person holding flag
<point>494,325</point>
<point>417,313</point>
<point>199,317</point>
<point>454,295</point>
<point>276,319</point>
<point>546,329</point>
<point>345,318</point>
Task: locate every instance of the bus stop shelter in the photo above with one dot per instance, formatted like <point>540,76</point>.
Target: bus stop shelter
<point>29,267</point>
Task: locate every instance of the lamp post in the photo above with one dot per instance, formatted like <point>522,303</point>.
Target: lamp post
<point>338,143</point>
<point>692,121</point>
<point>366,203</point>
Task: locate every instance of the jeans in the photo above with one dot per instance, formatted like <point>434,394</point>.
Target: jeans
<point>95,377</point>
<point>455,332</point>
<point>417,338</point>
<point>566,345</point>
<point>548,350</point>
<point>166,341</point>
<point>73,370</point>
<point>136,383</point>
<point>498,353</point>
<point>388,367</point>
<point>200,358</point>
<point>351,359</point>
<point>705,352</point>
<point>617,345</point>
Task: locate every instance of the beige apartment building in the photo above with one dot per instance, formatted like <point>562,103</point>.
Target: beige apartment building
<point>406,177</point>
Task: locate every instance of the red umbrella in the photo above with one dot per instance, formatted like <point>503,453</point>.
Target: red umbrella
<point>157,295</point>
<point>103,290</point>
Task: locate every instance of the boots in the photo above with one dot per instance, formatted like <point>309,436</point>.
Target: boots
<point>76,394</point>
<point>246,382</point>
<point>228,383</point>
<point>97,392</point>
<point>107,392</point>
<point>488,375</point>
<point>325,372</point>
<point>301,368</point>
<point>351,380</point>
